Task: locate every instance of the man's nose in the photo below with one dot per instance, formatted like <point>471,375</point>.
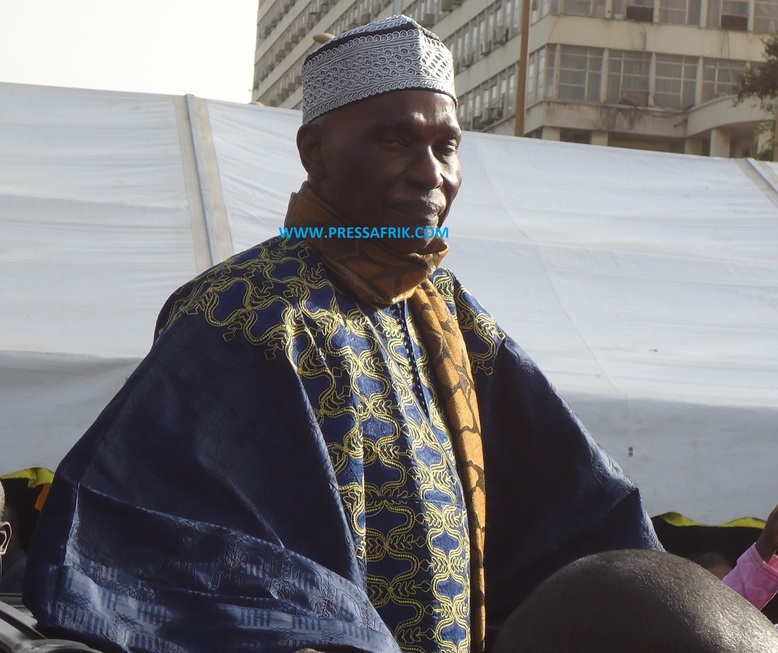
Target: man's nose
<point>426,169</point>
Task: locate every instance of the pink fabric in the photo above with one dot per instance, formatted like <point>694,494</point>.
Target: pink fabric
<point>753,578</point>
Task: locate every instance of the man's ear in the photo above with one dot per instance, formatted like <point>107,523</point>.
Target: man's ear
<point>5,536</point>
<point>309,145</point>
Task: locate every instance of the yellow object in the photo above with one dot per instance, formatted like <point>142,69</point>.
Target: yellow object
<point>676,519</point>
<point>36,477</point>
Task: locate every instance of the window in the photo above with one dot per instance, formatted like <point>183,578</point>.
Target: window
<point>546,59</point>
<point>676,81</point>
<point>766,16</point>
<point>532,84</point>
<point>734,8</point>
<point>728,14</point>
<point>595,8</point>
<point>464,109</point>
<point>490,102</point>
<point>514,16</point>
<point>718,77</point>
<point>546,7</point>
<point>628,77</point>
<point>512,88</point>
<point>483,42</point>
<point>576,8</point>
<point>537,86</point>
<point>680,12</point>
<point>580,72</point>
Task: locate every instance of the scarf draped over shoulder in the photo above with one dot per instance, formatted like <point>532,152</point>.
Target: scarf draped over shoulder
<point>374,273</point>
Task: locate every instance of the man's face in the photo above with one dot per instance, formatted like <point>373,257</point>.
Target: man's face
<point>391,161</point>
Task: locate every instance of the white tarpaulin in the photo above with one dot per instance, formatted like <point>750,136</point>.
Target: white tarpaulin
<point>644,284</point>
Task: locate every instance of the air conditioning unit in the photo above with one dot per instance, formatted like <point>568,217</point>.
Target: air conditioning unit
<point>477,124</point>
<point>450,5</point>
<point>365,18</point>
<point>500,36</point>
<point>491,115</point>
<point>642,14</point>
<point>735,23</point>
<point>495,113</point>
<point>486,48</point>
<point>428,20</point>
<point>634,98</point>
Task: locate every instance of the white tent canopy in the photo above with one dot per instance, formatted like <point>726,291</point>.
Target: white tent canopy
<point>644,284</point>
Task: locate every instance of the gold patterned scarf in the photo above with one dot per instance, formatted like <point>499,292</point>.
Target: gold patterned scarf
<point>378,275</point>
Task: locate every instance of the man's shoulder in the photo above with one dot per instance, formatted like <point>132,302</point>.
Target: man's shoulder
<point>282,269</point>
<point>264,260</point>
<point>272,262</point>
<point>449,286</point>
<point>454,292</point>
<point>479,329</point>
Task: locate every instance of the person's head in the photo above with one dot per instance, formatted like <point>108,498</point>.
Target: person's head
<point>638,601</point>
<point>380,135</point>
<point>716,563</point>
<point>5,526</point>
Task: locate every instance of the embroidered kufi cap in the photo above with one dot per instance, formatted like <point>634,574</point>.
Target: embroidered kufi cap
<point>391,54</point>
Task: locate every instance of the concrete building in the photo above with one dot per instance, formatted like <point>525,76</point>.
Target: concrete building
<point>646,74</point>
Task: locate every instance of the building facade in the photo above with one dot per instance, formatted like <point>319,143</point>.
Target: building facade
<point>647,74</point>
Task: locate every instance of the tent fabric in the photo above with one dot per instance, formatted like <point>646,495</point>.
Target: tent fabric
<point>644,284</point>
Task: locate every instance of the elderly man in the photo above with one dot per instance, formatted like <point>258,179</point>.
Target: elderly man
<point>331,444</point>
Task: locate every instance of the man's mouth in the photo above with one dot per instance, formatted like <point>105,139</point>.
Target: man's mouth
<point>419,212</point>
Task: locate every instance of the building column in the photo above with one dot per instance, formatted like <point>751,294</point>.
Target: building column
<point>719,142</point>
<point>599,138</point>
<point>692,146</point>
<point>551,133</point>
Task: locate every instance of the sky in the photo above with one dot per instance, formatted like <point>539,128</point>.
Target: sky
<point>175,47</point>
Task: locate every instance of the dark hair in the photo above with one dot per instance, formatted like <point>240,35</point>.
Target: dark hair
<point>638,601</point>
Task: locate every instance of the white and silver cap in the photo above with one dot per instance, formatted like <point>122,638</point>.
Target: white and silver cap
<point>391,54</point>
